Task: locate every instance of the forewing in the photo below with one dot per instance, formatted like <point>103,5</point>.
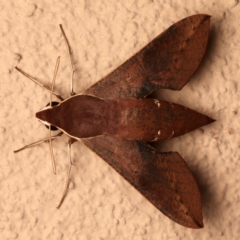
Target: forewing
<point>163,178</point>
<point>168,61</point>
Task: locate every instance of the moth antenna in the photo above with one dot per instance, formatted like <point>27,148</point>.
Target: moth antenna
<point>38,142</point>
<point>70,59</point>
<point>50,137</point>
<point>68,174</point>
<point>38,83</point>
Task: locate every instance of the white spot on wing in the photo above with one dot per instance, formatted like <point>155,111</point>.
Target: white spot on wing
<point>155,139</point>
<point>157,102</point>
<point>157,136</point>
<point>171,135</point>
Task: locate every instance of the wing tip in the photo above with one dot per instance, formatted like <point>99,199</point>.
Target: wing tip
<point>195,221</point>
<point>197,224</point>
<point>200,225</point>
<point>210,120</point>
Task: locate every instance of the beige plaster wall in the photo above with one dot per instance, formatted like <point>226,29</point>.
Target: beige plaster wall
<point>100,204</point>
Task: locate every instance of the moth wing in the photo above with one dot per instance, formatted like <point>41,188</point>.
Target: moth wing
<point>168,62</point>
<point>163,178</point>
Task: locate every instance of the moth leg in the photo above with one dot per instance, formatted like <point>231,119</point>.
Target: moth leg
<point>50,136</point>
<point>38,142</point>
<point>70,59</point>
<point>38,83</point>
<point>70,142</point>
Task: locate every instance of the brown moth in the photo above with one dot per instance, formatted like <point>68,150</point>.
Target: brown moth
<point>115,119</point>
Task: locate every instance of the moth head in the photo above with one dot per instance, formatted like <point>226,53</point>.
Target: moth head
<point>45,116</point>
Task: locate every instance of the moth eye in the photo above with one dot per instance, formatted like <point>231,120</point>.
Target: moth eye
<point>53,104</point>
<point>52,128</point>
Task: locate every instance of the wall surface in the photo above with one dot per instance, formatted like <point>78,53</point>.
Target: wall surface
<point>100,203</point>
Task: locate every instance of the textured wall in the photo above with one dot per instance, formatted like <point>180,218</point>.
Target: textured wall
<point>100,204</point>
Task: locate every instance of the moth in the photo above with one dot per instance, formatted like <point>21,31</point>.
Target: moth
<point>114,118</point>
